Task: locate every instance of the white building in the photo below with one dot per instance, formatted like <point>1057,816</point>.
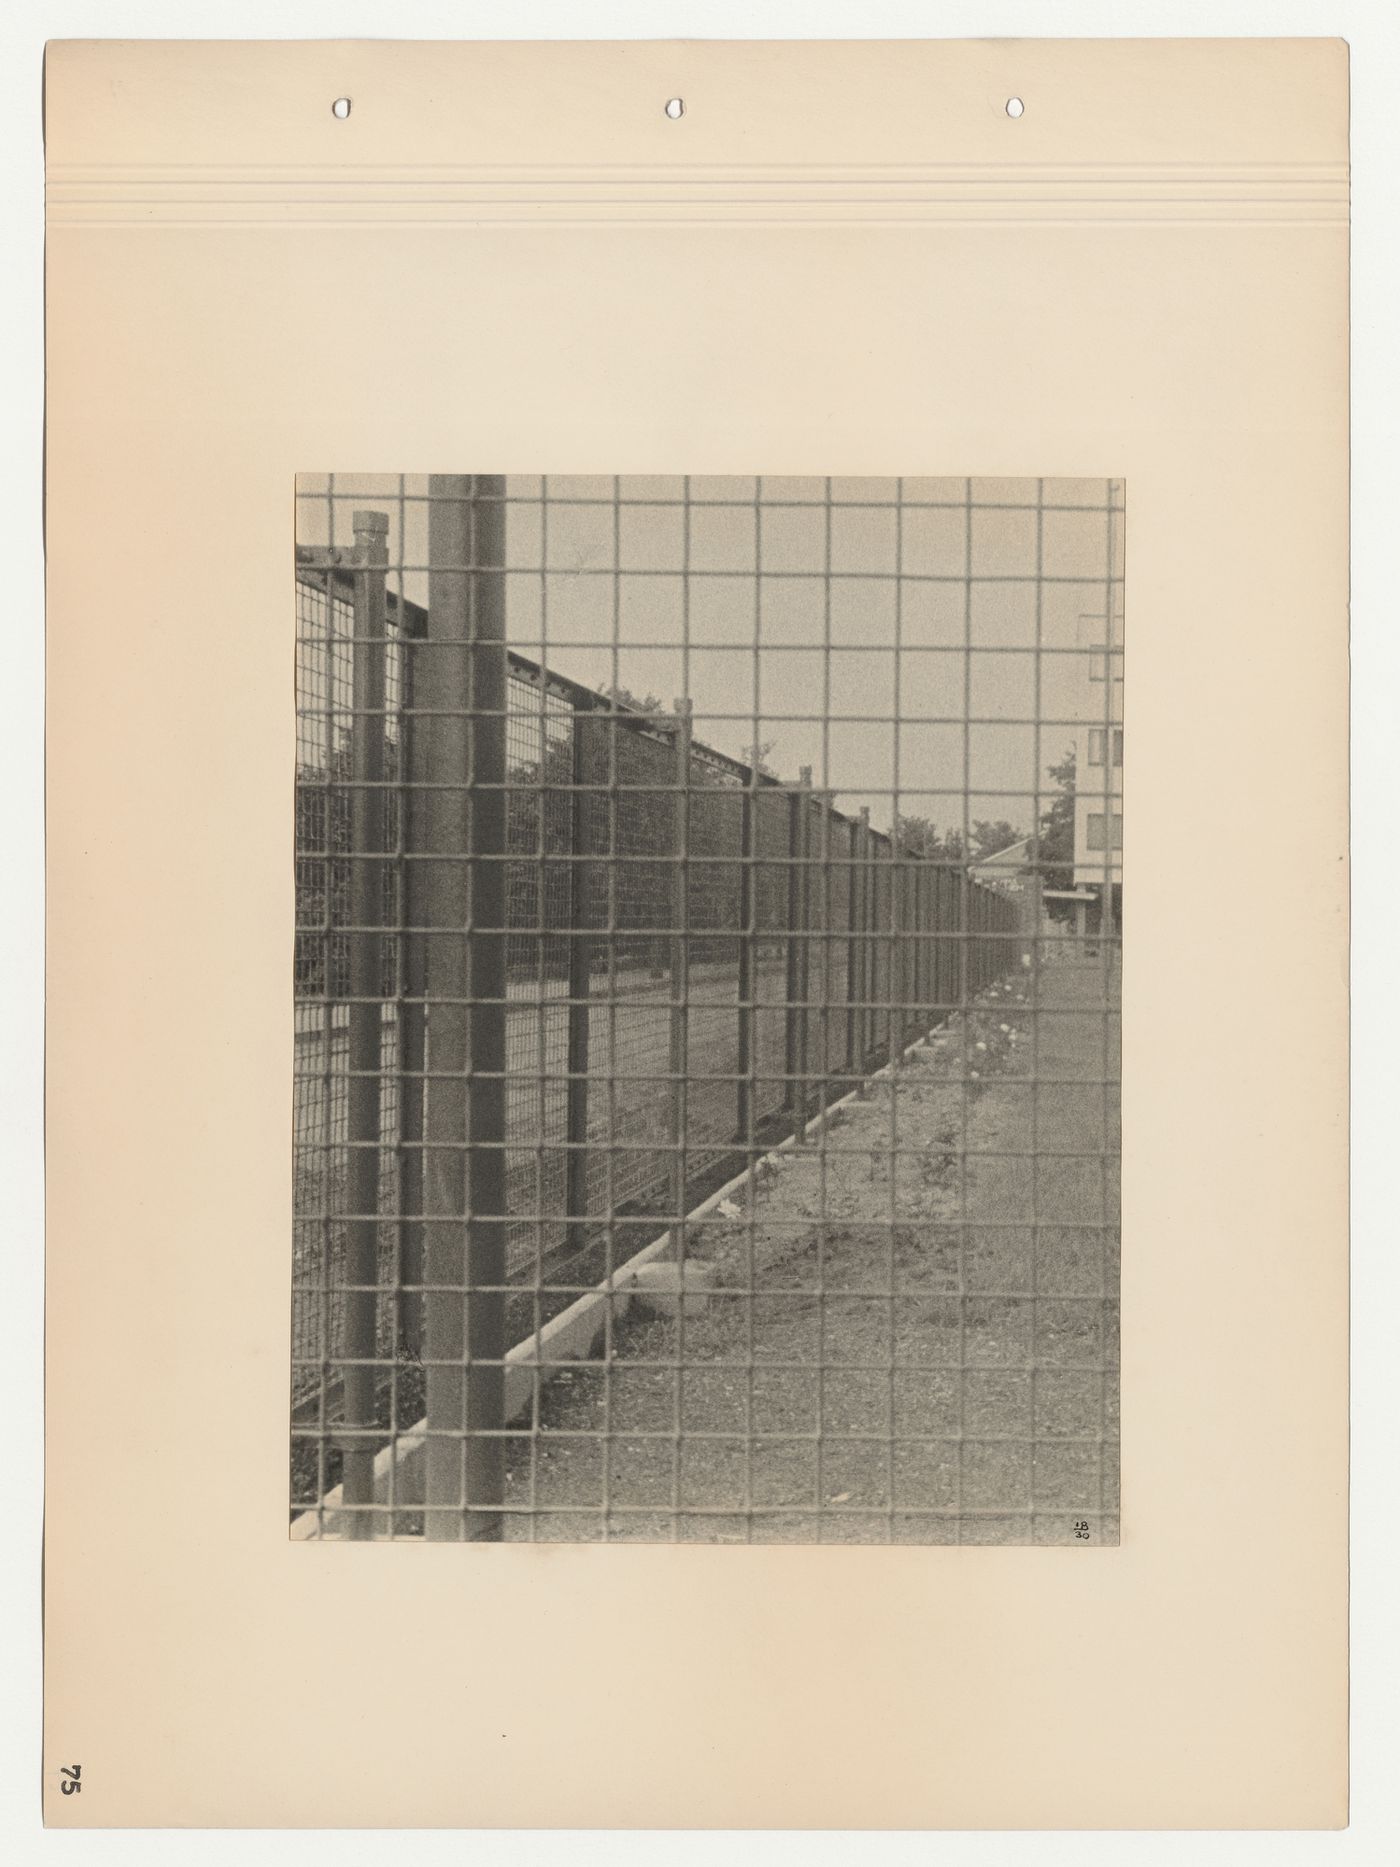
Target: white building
<point>1098,758</point>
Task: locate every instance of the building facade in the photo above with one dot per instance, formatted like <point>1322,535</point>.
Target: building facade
<point>1098,763</point>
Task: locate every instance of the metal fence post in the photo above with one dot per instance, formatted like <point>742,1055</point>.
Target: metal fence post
<point>744,1097</point>
<point>852,946</point>
<point>919,910</point>
<point>933,901</point>
<point>867,969</point>
<point>913,943</point>
<point>931,941</point>
<point>935,888</point>
<point>580,987</point>
<point>820,906</point>
<point>795,1029</point>
<point>804,948</point>
<point>464,888</point>
<point>899,955</point>
<point>793,1015</point>
<point>679,971</point>
<point>913,940</point>
<point>952,953</point>
<point>893,978</point>
<point>986,971</point>
<point>413,773</point>
<point>366,1023</point>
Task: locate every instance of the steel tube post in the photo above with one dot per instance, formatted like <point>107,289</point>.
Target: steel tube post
<point>795,1023</point>
<point>804,946</point>
<point>367,869</point>
<point>938,943</point>
<point>852,947</point>
<point>679,971</point>
<point>867,969</point>
<point>791,955</point>
<point>921,940</point>
<point>744,1098</point>
<point>987,971</point>
<point>986,946</point>
<point>464,890</point>
<point>819,904</point>
<point>893,975</point>
<point>898,921</point>
<point>949,943</point>
<point>580,989</point>
<point>930,940</point>
<point>883,992</point>
<point>914,902</point>
<point>413,773</point>
<point>913,940</point>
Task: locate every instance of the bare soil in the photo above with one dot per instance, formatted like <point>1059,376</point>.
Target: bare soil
<point>913,1335</point>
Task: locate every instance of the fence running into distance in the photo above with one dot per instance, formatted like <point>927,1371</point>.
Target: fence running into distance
<point>673,960</point>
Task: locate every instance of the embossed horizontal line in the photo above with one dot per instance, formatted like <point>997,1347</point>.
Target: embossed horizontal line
<point>814,218</point>
<point>415,193</point>
<point>674,171</point>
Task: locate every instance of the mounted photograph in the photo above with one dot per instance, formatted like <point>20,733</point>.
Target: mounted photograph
<point>706,1030</point>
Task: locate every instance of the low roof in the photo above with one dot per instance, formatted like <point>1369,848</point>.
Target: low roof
<point>1013,856</point>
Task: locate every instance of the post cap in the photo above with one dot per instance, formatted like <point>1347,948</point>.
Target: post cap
<point>375,523</point>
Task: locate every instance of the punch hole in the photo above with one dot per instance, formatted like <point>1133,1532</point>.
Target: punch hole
<point>341,108</point>
<point>1014,107</point>
<point>675,107</point>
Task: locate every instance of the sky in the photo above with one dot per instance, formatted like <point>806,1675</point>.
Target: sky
<point>938,594</point>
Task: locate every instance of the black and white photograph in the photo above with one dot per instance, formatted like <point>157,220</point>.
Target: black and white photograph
<point>706,1009</point>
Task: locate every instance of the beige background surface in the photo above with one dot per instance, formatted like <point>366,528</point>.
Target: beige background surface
<point>842,259</point>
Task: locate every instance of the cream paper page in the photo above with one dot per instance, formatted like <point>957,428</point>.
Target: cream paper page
<point>841,259</point>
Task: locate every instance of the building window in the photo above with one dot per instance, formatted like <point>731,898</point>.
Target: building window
<point>1094,829</point>
<point>1097,736</point>
<point>1098,665</point>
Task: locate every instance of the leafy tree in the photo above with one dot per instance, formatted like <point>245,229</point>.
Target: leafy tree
<point>624,697</point>
<point>758,758</point>
<point>920,836</point>
<point>1052,852</point>
<point>988,838</point>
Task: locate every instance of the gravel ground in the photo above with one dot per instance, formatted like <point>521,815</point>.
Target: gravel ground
<point>913,1330</point>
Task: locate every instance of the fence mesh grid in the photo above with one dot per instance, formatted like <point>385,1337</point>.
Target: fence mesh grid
<point>706,994</point>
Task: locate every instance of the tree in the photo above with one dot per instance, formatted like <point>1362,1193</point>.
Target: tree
<point>624,697</point>
<point>758,757</point>
<point>988,838</point>
<point>919,836</point>
<point>1052,852</point>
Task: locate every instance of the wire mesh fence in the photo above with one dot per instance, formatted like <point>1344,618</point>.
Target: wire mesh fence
<point>686,1145</point>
